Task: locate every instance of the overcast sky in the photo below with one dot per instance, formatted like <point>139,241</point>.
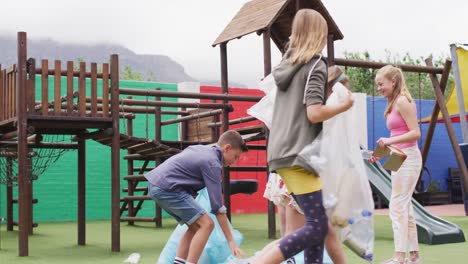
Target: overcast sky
<point>185,29</point>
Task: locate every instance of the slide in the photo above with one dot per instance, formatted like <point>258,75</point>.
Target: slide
<point>432,230</point>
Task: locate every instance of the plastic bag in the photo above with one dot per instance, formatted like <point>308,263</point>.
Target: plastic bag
<point>347,197</point>
<point>275,190</point>
<point>216,249</point>
<point>263,110</point>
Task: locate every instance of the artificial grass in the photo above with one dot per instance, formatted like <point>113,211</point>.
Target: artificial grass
<point>54,243</point>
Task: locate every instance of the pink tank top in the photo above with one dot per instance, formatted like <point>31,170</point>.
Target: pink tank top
<point>397,126</point>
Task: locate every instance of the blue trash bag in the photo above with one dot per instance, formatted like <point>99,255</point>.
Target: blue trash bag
<point>216,250</point>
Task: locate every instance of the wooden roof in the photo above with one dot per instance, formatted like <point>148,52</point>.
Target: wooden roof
<point>277,15</point>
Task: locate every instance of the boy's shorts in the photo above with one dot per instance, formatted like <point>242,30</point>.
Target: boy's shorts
<point>179,205</point>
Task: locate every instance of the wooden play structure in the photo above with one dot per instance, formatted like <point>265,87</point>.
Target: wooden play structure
<point>28,118</point>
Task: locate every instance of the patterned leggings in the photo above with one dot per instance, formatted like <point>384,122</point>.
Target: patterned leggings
<point>311,236</point>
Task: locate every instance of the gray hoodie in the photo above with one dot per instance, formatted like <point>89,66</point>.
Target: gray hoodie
<point>291,131</point>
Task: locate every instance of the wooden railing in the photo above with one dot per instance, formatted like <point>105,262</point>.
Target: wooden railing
<point>8,94</point>
<point>75,87</point>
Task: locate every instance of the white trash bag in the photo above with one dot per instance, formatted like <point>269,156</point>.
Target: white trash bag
<point>347,196</point>
<point>263,110</point>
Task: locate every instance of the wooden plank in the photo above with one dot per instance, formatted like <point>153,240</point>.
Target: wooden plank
<point>32,86</point>
<point>65,73</point>
<point>57,88</point>
<point>138,219</point>
<point>45,87</point>
<point>82,90</point>
<point>69,87</point>
<point>14,102</point>
<point>9,94</point>
<point>2,95</point>
<point>105,89</point>
<point>93,89</point>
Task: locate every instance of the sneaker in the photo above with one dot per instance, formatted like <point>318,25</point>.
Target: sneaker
<point>239,261</point>
<point>416,261</point>
<point>392,261</point>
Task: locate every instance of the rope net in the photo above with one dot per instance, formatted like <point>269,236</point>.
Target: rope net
<point>39,160</point>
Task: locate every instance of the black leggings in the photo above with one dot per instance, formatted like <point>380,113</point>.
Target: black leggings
<point>311,236</point>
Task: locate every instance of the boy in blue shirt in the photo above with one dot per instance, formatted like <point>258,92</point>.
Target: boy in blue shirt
<point>175,182</point>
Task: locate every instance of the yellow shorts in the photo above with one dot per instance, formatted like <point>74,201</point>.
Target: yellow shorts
<point>299,181</point>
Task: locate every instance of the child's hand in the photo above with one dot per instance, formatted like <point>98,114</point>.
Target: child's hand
<point>373,159</point>
<point>383,142</point>
<point>348,101</point>
<point>236,251</point>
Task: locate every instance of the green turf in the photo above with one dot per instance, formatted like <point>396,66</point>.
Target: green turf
<point>54,243</point>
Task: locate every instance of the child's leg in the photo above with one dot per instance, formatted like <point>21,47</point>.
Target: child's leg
<point>314,231</point>
<point>333,246</point>
<point>296,220</point>
<point>282,219</point>
<point>310,237</point>
<point>184,244</point>
<point>202,229</point>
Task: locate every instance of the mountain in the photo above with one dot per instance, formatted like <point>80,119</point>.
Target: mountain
<point>155,67</point>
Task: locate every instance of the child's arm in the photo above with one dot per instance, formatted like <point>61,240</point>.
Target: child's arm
<point>224,224</point>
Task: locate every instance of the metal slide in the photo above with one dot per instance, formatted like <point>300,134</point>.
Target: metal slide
<point>432,230</point>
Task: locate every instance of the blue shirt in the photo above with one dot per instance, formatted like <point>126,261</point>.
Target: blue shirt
<point>195,168</point>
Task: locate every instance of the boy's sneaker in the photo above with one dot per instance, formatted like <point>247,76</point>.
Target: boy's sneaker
<point>392,261</point>
<point>239,261</point>
<point>291,261</point>
<point>416,261</point>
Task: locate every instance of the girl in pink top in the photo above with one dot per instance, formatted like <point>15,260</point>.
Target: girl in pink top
<point>404,132</point>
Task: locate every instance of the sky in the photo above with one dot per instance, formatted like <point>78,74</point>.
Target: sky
<point>185,29</point>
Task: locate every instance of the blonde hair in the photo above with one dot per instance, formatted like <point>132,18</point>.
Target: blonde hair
<point>391,72</point>
<point>308,36</point>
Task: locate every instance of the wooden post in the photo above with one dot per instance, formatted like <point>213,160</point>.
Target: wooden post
<point>81,191</point>
<point>459,90</point>
<point>157,162</point>
<point>45,87</point>
<point>434,116</point>
<point>82,89</point>
<point>31,86</point>
<point>451,134</point>
<point>130,184</point>
<point>57,88</point>
<point>30,196</point>
<point>23,212</point>
<point>115,153</point>
<point>2,94</point>
<point>105,89</point>
<point>9,193</point>
<point>330,50</point>
<point>266,71</point>
<point>225,127</point>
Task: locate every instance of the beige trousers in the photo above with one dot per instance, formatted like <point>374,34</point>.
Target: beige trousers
<point>404,182</point>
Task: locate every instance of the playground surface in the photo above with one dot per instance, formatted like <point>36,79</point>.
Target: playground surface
<point>54,243</point>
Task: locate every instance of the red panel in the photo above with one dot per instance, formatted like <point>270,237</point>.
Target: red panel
<point>243,203</point>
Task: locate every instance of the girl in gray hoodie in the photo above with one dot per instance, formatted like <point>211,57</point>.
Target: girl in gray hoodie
<point>300,109</point>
